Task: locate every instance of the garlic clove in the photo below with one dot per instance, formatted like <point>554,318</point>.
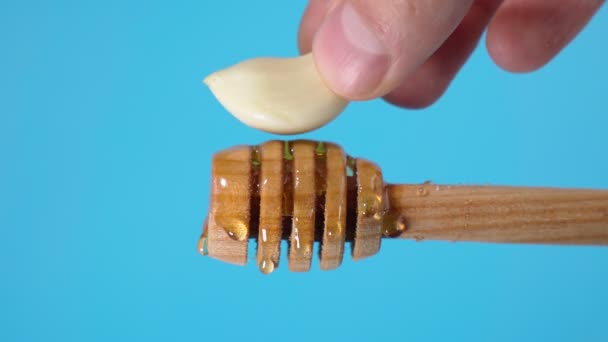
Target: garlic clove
<point>277,95</point>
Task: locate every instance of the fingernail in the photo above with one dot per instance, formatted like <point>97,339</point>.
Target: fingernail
<point>348,53</point>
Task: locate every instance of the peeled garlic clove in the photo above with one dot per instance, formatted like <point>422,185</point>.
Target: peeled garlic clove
<point>277,95</point>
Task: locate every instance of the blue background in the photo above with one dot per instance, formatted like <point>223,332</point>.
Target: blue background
<point>106,135</point>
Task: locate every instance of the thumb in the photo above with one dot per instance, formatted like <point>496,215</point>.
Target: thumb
<point>365,48</point>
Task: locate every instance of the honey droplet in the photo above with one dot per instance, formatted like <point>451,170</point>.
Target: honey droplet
<point>351,166</point>
<point>267,266</point>
<point>334,231</point>
<point>264,234</point>
<point>235,234</point>
<point>394,224</point>
<point>422,192</point>
<point>256,160</point>
<point>321,149</point>
<point>377,185</point>
<point>202,245</point>
<point>202,241</point>
<point>370,205</point>
<point>287,151</point>
<point>236,229</point>
<point>296,238</point>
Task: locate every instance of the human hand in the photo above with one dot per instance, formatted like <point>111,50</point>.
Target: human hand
<point>408,51</point>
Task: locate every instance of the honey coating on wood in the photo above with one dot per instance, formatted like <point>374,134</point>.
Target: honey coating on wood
<point>393,224</point>
<point>303,206</point>
<point>272,192</point>
<point>335,211</point>
<point>229,213</point>
<point>236,229</point>
<point>306,191</point>
<point>235,221</point>
<point>203,240</point>
<point>297,191</point>
<point>370,210</point>
<point>288,178</point>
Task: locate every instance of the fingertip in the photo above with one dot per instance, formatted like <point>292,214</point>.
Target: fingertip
<point>365,50</point>
<point>508,45</point>
<point>415,97</point>
<point>526,35</point>
<point>311,21</point>
<point>412,103</point>
<point>431,80</point>
<point>349,55</point>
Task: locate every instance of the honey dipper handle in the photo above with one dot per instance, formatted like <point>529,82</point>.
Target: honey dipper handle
<point>502,214</point>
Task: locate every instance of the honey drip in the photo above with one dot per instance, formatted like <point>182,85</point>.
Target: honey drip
<point>366,199</point>
<point>235,228</point>
<point>394,224</point>
<point>333,232</point>
<point>351,166</point>
<point>287,151</point>
<point>320,189</point>
<point>288,180</point>
<point>321,149</point>
<point>256,159</point>
<point>254,188</point>
<point>202,241</point>
<point>371,201</point>
<point>267,266</point>
<point>370,204</point>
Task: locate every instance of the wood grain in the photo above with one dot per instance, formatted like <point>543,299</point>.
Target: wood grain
<point>302,236</point>
<point>302,191</point>
<point>370,208</point>
<point>271,203</point>
<point>229,205</point>
<point>502,214</point>
<point>334,232</point>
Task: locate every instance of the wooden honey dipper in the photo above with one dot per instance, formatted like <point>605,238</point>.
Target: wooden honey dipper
<point>305,191</point>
